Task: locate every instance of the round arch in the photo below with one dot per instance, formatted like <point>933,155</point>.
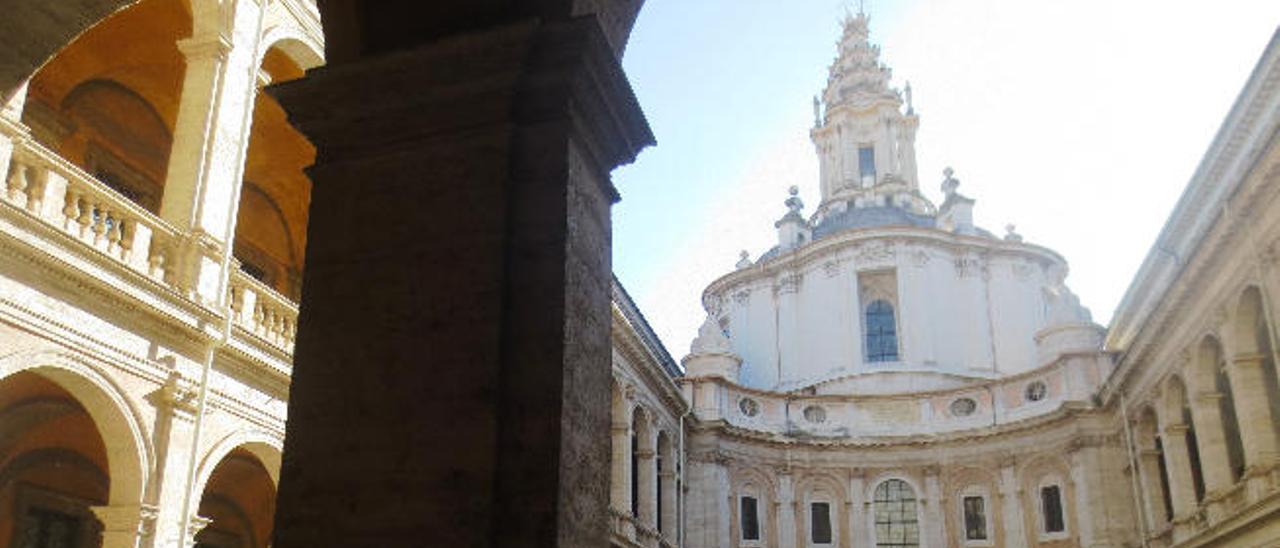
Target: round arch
<point>117,420</point>
<point>303,50</point>
<point>886,479</point>
<point>266,448</point>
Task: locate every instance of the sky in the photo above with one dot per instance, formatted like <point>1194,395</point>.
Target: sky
<point>1078,121</point>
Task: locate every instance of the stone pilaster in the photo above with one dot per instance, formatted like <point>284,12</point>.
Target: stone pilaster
<point>210,140</point>
<point>710,503</point>
<point>1211,440</point>
<point>458,251</point>
<point>646,476</point>
<point>124,526</point>
<point>786,511</point>
<point>167,488</point>
<point>1257,426</point>
<point>1181,486</point>
<point>1014,524</point>
<point>1152,489</point>
<point>668,515</point>
<point>858,519</point>
<point>10,118</point>
<point>1103,498</point>
<point>934,527</point>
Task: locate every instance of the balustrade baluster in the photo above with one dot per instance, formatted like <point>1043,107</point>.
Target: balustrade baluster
<point>112,225</point>
<point>70,208</point>
<point>86,215</point>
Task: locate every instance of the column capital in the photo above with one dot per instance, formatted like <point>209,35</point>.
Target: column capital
<point>213,46</point>
<point>198,523</point>
<point>126,518</point>
<point>1209,397</point>
<point>1251,358</point>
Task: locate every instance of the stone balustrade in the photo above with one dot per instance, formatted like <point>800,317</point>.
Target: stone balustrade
<point>43,187</point>
<point>264,312</point>
<point>55,191</point>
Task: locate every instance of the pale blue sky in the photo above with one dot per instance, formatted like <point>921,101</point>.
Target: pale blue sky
<point>1078,121</point>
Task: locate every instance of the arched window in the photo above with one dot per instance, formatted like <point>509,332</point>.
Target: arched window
<point>882,332</point>
<point>895,515</point>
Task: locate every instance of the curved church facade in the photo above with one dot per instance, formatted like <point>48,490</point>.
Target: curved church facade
<point>888,375</point>
<point>891,374</point>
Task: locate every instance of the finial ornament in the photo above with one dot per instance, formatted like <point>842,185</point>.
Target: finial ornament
<point>744,259</point>
<point>906,90</point>
<point>817,112</point>
<point>794,203</point>
<point>1011,233</point>
<point>950,183</point>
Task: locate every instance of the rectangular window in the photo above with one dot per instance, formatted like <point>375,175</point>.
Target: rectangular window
<point>867,165</point>
<point>1051,505</point>
<point>750,519</point>
<point>975,518</point>
<point>820,522</point>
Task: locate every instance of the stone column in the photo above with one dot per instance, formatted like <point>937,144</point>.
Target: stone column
<point>787,533</point>
<point>1181,488</point>
<point>1206,410</point>
<point>454,327</point>
<point>1014,524</point>
<point>1257,426</point>
<point>859,530</point>
<point>933,532</point>
<point>620,465</point>
<point>210,139</point>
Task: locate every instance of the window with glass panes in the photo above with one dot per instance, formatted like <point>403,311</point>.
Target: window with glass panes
<point>896,520</point>
<point>750,518</point>
<point>975,518</point>
<point>820,522</point>
<point>1051,507</point>
<point>867,165</point>
<point>882,332</point>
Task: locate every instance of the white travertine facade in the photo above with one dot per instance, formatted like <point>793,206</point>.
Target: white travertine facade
<point>892,375</point>
<point>798,315</point>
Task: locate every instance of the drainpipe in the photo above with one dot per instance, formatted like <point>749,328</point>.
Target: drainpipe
<point>680,493</point>
<point>224,287</point>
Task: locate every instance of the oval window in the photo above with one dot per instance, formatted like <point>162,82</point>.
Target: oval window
<point>963,407</point>
<point>748,407</point>
<point>815,414</point>
<point>1037,391</point>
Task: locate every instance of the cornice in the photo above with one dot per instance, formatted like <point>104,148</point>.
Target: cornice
<point>626,341</point>
<point>1215,180</point>
<point>1210,262</point>
<point>1066,415</point>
